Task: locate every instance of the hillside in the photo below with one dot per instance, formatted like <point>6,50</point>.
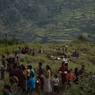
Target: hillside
<point>47,20</point>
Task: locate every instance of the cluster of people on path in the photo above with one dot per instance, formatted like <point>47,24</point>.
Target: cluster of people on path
<point>26,80</point>
<point>28,50</point>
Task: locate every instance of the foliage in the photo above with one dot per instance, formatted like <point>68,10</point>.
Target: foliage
<point>85,87</point>
<point>86,50</point>
<point>47,20</point>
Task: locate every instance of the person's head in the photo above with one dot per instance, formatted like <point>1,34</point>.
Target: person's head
<point>3,56</point>
<point>30,67</point>
<point>23,67</point>
<point>48,67</point>
<point>40,64</point>
<point>82,66</point>
<point>55,76</point>
<point>15,66</point>
<point>76,69</point>
<point>63,63</point>
<point>32,75</point>
<point>66,64</point>
<point>17,57</point>
<point>65,56</point>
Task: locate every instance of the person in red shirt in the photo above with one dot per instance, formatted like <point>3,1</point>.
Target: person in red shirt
<point>70,77</point>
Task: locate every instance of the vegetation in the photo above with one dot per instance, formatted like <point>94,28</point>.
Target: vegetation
<point>85,48</point>
<point>85,87</point>
<point>47,21</point>
<point>87,57</point>
<point>70,22</point>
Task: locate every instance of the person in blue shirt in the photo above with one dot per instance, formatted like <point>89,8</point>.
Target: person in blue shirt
<point>31,84</point>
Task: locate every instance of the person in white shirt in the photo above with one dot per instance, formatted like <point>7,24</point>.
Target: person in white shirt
<point>65,60</point>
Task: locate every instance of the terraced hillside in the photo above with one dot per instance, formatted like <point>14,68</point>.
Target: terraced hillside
<point>47,20</point>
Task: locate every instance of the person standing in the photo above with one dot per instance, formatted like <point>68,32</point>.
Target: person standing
<point>2,72</point>
<point>40,74</point>
<point>31,84</point>
<point>47,81</point>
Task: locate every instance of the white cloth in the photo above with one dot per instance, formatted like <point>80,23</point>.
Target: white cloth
<point>65,60</point>
<point>47,85</point>
<point>55,81</point>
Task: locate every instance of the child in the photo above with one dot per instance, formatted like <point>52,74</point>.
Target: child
<point>56,84</point>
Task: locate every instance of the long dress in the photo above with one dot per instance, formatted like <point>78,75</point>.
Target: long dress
<point>47,82</point>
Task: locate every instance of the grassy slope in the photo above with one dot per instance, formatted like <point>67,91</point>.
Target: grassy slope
<point>86,49</point>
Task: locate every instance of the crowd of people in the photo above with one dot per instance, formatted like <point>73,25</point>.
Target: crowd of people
<point>40,81</point>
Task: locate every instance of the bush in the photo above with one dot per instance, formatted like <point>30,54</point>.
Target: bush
<point>86,86</point>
